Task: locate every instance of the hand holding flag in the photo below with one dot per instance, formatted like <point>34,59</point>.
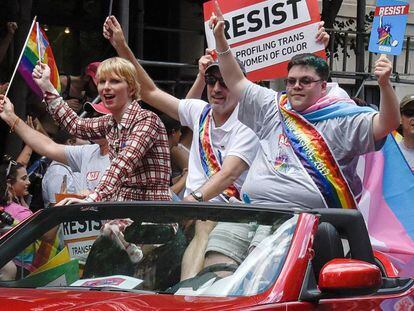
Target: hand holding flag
<point>112,31</point>
<point>41,75</point>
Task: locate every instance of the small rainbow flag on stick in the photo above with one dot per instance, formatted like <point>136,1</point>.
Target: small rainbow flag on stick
<point>36,48</point>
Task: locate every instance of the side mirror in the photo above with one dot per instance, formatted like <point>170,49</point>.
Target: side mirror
<point>349,277</point>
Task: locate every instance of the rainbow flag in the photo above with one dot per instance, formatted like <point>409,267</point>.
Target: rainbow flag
<point>37,43</point>
<point>38,253</point>
<point>387,204</point>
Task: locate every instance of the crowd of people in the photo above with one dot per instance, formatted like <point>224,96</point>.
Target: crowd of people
<point>249,143</point>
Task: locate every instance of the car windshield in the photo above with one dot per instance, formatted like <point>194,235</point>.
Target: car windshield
<point>180,249</point>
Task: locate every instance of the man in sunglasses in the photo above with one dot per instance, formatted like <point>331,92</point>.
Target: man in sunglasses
<point>407,125</point>
<point>310,138</point>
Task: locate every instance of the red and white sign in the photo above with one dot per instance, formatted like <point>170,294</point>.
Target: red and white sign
<point>265,35</point>
<point>392,10</point>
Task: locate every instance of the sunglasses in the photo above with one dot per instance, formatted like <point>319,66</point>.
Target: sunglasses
<point>211,80</point>
<point>408,112</point>
<point>304,82</point>
<point>11,162</point>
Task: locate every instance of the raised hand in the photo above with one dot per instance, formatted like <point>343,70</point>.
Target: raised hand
<point>3,87</point>
<point>112,31</point>
<point>322,36</point>
<point>6,108</point>
<point>41,76</point>
<point>383,70</point>
<point>29,122</point>
<point>205,61</point>
<point>216,21</point>
<point>11,27</point>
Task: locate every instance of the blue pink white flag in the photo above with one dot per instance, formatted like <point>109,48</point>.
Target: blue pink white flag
<point>387,205</point>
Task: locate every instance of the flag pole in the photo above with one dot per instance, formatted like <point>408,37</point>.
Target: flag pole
<point>20,57</point>
<point>38,40</point>
<point>110,7</point>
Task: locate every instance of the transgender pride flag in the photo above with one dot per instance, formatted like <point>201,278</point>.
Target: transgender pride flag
<point>387,203</point>
<point>36,48</point>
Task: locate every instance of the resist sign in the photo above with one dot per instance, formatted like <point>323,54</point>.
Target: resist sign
<point>265,35</point>
<point>388,27</point>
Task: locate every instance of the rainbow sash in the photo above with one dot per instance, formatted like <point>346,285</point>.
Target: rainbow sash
<point>210,161</point>
<point>315,154</point>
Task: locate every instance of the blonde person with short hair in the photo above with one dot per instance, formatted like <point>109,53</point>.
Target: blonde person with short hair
<point>138,144</point>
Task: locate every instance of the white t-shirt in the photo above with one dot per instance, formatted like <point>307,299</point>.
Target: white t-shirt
<point>232,138</point>
<point>408,154</point>
<point>88,161</point>
<point>52,182</point>
<point>277,176</point>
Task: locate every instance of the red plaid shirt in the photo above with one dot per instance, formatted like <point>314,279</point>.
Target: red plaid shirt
<point>138,150</point>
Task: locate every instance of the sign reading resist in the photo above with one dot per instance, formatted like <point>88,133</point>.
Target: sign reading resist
<point>265,35</point>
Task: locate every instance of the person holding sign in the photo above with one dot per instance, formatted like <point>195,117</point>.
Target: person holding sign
<point>310,139</point>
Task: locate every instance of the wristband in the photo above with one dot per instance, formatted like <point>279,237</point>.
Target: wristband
<point>224,52</point>
<point>14,124</point>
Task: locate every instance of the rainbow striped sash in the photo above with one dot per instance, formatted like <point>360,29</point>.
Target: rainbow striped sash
<point>316,158</point>
<point>210,161</point>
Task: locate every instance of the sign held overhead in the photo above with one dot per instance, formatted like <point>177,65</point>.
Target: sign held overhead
<point>265,35</point>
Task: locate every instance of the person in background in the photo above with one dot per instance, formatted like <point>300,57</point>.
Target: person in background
<point>407,126</point>
<point>178,175</point>
<point>5,42</point>
<point>14,184</point>
<point>76,90</point>
<point>7,39</point>
<point>59,177</point>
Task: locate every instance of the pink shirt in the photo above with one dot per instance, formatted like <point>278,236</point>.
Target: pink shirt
<point>17,211</point>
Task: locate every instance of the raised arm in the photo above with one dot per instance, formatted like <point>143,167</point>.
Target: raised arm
<point>92,128</point>
<point>40,143</point>
<point>388,118</point>
<point>230,70</point>
<point>150,93</point>
<point>233,76</point>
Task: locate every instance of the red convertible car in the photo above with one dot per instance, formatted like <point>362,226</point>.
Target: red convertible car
<point>183,256</point>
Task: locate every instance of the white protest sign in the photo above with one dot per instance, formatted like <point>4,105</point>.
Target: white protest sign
<point>265,35</point>
<point>79,237</point>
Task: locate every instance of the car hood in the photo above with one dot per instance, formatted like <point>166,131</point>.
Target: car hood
<point>45,300</point>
